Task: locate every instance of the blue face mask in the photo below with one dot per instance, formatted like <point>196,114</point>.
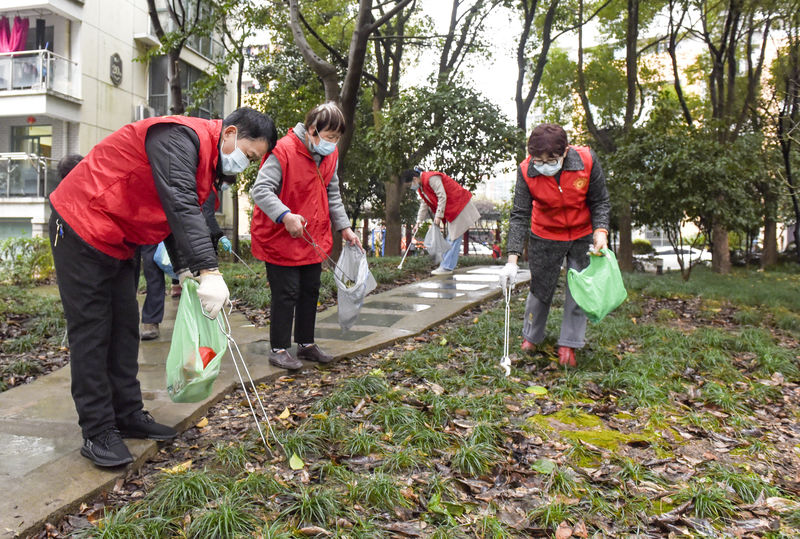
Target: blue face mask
<point>414,186</point>
<point>325,147</point>
<point>549,170</point>
<point>224,186</point>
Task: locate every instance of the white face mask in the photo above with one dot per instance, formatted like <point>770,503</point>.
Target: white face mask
<point>235,162</point>
<point>549,170</point>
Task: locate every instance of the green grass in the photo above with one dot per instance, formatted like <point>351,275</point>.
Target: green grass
<point>178,492</point>
<point>645,393</point>
<point>475,458</point>
<point>313,505</point>
<point>378,490</point>
<point>39,315</point>
<point>361,442</point>
<point>232,456</point>
<point>229,516</point>
<point>708,501</point>
<point>747,485</point>
<point>133,521</point>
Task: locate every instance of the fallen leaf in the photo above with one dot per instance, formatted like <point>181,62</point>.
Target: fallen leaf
<point>296,463</point>
<point>536,390</point>
<point>178,468</point>
<point>409,529</point>
<point>285,414</point>
<point>776,503</point>
<point>544,466</point>
<point>202,423</point>
<point>443,341</point>
<point>580,530</point>
<point>564,531</point>
<point>314,530</point>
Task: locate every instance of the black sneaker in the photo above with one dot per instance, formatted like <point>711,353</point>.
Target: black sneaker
<point>106,449</point>
<point>141,424</point>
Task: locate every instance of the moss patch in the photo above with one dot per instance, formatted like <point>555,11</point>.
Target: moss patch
<point>606,438</point>
<point>569,416</point>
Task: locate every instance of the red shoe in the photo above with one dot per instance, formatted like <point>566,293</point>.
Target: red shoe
<point>566,356</point>
<point>528,346</point>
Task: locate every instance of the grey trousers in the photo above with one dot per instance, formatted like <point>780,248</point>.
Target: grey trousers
<point>545,258</point>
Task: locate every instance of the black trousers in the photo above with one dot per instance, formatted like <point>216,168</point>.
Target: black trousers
<point>153,308</point>
<point>295,292</point>
<point>98,293</point>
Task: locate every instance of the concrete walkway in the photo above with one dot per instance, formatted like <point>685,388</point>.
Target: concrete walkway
<point>42,474</point>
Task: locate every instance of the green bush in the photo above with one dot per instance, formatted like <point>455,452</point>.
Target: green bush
<point>26,260</point>
<point>642,247</point>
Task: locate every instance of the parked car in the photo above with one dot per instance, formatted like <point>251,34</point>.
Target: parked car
<point>667,258</point>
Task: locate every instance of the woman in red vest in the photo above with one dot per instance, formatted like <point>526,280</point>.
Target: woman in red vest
<point>297,198</point>
<point>561,192</point>
<point>138,186</point>
<point>444,199</point>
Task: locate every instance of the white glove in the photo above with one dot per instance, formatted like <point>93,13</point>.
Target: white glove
<point>508,275</point>
<point>213,293</point>
<point>183,275</point>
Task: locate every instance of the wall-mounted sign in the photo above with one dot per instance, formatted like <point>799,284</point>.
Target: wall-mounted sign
<point>116,69</point>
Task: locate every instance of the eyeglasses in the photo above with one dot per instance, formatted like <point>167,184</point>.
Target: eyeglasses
<point>540,162</point>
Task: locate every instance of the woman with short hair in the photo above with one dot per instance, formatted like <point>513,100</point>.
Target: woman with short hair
<point>297,197</point>
<point>561,194</point>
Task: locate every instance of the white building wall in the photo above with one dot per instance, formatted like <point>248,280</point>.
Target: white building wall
<point>88,35</point>
<point>108,27</point>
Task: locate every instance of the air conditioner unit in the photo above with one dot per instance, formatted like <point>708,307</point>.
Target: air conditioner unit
<point>143,111</point>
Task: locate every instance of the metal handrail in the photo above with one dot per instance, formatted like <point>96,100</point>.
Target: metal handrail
<point>38,179</point>
<point>41,71</point>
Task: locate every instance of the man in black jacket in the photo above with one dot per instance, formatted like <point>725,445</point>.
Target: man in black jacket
<point>140,185</point>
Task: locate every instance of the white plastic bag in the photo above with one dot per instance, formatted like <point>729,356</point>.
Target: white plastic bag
<point>354,281</point>
<point>435,242</point>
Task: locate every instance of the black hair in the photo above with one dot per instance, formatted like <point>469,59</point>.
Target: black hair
<point>326,117</point>
<point>410,174</point>
<point>252,124</point>
<point>67,163</point>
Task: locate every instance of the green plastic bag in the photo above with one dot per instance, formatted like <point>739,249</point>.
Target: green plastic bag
<point>196,340</point>
<point>598,289</point>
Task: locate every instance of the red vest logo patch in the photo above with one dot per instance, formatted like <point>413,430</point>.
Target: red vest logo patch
<point>580,183</point>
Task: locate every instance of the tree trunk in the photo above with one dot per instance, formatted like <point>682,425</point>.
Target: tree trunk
<point>769,254</point>
<point>394,195</point>
<point>235,192</point>
<point>174,78</point>
<point>720,252</point>
<point>625,249</point>
<point>336,250</point>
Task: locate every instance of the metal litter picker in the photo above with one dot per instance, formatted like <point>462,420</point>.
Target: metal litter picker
<point>505,361</point>
<point>408,247</point>
<point>240,365</point>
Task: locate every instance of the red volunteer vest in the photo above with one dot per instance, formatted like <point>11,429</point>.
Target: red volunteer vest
<point>110,197</point>
<point>559,211</point>
<point>304,190</point>
<point>457,196</point>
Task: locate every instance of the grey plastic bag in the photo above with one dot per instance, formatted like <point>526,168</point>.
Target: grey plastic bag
<point>354,281</point>
<point>435,242</point>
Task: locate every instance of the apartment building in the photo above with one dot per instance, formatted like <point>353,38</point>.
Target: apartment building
<point>69,76</point>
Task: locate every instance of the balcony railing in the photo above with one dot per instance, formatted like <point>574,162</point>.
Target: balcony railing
<point>27,175</point>
<point>39,70</point>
